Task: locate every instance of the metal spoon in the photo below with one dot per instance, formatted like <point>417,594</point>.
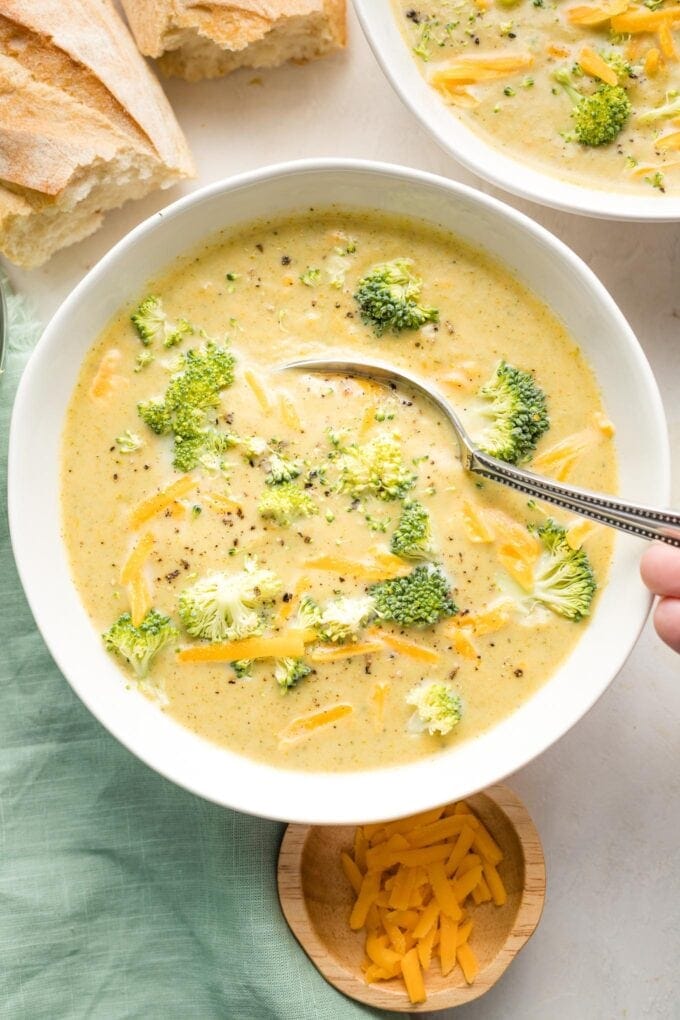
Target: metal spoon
<point>646,522</point>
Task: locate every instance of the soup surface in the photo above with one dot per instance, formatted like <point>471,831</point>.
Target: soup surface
<point>521,74</point>
<point>286,289</point>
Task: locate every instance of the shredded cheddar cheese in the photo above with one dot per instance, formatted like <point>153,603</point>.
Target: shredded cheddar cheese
<point>589,15</point>
<point>290,643</point>
<point>594,65</point>
<point>416,882</point>
<point>132,576</point>
<point>106,378</point>
<point>305,725</point>
<point>258,390</point>
<point>161,501</point>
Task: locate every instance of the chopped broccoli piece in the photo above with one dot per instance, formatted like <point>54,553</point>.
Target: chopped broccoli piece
<point>388,298</point>
<point>242,668</point>
<point>563,577</point>
<point>156,415</point>
<point>309,613</point>
<point>413,538</point>
<point>663,112</point>
<point>656,180</point>
<point>619,63</point>
<point>204,449</point>
<point>518,412</point>
<point>599,117</point>
<point>144,359</point>
<point>437,708</point>
<point>281,469</point>
<point>227,607</point>
<point>375,469</point>
<point>149,319</point>
<point>310,277</point>
<point>422,598</point>
<point>252,447</point>
<point>138,645</point>
<point>128,442</point>
<point>152,323</point>
<point>289,672</point>
<point>343,618</point>
<point>286,503</point>
<point>185,411</point>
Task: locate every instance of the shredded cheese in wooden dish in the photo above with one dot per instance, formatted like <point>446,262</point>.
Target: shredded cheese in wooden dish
<point>417,881</point>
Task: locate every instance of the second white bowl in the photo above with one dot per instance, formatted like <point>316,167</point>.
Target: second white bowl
<point>473,152</point>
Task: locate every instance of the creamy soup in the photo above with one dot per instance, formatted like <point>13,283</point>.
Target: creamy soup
<point>143,533</point>
<point>525,74</point>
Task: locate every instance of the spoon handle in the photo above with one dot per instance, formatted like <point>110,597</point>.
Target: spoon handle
<point>644,521</point>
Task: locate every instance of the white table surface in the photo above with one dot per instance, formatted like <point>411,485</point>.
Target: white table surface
<point>606,798</point>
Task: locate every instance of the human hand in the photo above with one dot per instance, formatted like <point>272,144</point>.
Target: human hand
<point>660,569</point>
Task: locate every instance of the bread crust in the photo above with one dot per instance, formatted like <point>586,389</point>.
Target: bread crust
<point>164,28</point>
<point>84,125</point>
<point>92,34</point>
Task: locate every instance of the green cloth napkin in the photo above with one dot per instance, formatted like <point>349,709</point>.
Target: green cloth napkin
<point>122,895</point>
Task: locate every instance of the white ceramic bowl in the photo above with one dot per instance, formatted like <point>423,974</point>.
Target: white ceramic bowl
<point>550,269</point>
<point>391,50</point>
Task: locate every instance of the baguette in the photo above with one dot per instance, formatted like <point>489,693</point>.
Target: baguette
<point>195,39</point>
<point>84,125</point>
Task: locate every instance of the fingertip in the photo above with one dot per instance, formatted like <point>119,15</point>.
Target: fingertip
<point>667,622</point>
<point>660,569</point>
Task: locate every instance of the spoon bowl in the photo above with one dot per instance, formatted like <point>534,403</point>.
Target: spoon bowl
<point>316,900</point>
<point>634,518</point>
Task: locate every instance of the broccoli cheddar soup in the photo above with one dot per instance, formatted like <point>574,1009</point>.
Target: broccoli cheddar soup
<point>587,92</point>
<point>295,565</point>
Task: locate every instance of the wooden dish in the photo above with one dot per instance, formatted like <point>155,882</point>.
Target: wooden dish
<point>316,900</point>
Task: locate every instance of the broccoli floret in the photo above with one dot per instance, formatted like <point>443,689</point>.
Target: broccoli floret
<point>138,645</point>
<point>663,112</point>
<point>286,503</point>
<point>281,469</point>
<point>388,298</point>
<point>143,360</point>
<point>289,672</point>
<point>152,323</point>
<point>437,708</point>
<point>128,442</point>
<point>149,319</point>
<point>242,668</point>
<point>309,613</point>
<point>563,577</point>
<point>205,448</point>
<point>156,415</point>
<point>619,63</point>
<point>375,469</point>
<point>517,409</point>
<point>599,117</point>
<point>343,619</point>
<point>252,447</point>
<point>191,396</point>
<point>422,598</point>
<point>310,277</point>
<point>227,607</point>
<point>413,538</point>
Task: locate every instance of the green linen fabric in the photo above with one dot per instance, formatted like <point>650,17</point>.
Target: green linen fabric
<point>122,895</point>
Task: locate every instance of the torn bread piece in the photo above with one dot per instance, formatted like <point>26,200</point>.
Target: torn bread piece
<point>84,125</point>
<point>195,39</point>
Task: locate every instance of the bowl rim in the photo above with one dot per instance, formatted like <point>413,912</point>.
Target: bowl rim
<point>474,153</point>
<point>323,798</point>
